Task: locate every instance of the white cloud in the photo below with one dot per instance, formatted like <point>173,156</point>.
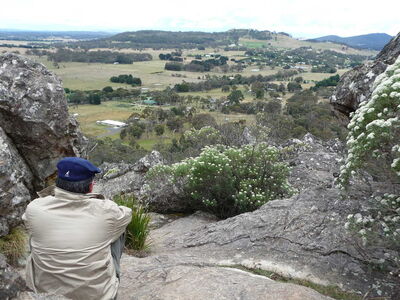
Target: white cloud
<point>298,17</point>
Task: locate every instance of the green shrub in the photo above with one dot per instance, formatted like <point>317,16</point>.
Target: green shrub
<point>13,245</point>
<point>229,180</point>
<point>137,230</point>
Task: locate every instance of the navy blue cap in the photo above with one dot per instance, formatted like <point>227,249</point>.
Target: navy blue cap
<point>76,169</point>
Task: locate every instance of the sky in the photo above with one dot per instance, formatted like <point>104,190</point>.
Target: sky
<point>300,18</point>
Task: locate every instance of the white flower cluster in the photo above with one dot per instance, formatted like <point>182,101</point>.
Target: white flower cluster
<point>242,178</point>
<point>383,220</point>
<point>372,129</point>
<point>374,124</point>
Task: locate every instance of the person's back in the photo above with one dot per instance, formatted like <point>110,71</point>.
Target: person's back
<point>70,238</point>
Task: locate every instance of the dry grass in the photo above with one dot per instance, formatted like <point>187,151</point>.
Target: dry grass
<point>111,110</point>
<point>14,245</point>
<point>285,42</point>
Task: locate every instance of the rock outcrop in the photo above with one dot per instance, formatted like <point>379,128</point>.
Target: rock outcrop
<point>151,280</point>
<point>11,283</point>
<point>34,115</point>
<point>15,184</point>
<point>179,273</point>
<point>299,237</point>
<point>125,178</point>
<point>35,132</point>
<point>355,85</point>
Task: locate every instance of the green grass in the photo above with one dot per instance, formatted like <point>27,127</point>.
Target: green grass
<point>88,114</point>
<point>13,245</point>
<point>253,44</point>
<point>137,230</point>
<point>285,42</point>
<point>327,290</point>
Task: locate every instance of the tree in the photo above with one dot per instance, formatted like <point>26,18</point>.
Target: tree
<point>293,86</point>
<point>94,99</point>
<point>201,120</point>
<point>182,87</point>
<point>159,129</point>
<point>134,130</point>
<point>108,89</point>
<point>225,88</point>
<point>235,97</point>
<point>260,93</point>
<point>175,124</point>
<point>299,79</point>
<point>77,97</point>
<point>173,66</point>
<point>258,89</point>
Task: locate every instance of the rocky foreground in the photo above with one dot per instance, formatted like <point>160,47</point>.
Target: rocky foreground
<point>197,257</point>
<point>300,237</point>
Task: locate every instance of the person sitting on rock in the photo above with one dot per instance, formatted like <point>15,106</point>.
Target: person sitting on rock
<point>76,236</point>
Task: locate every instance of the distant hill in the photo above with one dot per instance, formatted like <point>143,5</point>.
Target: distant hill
<point>26,35</point>
<point>176,39</point>
<point>375,41</point>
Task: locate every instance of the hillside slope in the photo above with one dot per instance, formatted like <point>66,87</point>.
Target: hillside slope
<point>375,41</point>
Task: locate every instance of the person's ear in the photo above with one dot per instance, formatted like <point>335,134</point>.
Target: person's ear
<point>91,187</point>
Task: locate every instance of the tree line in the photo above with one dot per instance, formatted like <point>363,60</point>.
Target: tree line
<point>213,82</point>
<point>108,57</point>
<point>128,79</point>
<point>197,65</point>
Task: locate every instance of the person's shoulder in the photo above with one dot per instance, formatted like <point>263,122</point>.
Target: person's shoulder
<point>105,203</point>
<point>39,202</point>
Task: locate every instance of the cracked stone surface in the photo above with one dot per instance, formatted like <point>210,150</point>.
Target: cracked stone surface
<point>150,280</point>
<point>179,273</point>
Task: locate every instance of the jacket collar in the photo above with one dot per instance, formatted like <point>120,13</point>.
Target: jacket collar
<point>63,194</point>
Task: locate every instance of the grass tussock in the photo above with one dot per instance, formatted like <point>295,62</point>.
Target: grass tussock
<point>14,245</point>
<point>137,230</point>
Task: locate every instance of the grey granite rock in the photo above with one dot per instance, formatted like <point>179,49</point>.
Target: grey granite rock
<point>34,115</point>
<point>11,283</point>
<point>15,183</point>
<point>355,85</point>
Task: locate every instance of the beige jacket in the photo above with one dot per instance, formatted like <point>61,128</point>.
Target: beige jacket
<point>70,244</point>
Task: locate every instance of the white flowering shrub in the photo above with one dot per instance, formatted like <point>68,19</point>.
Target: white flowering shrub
<point>374,127</point>
<point>229,180</point>
<point>199,138</point>
<point>382,219</point>
<point>374,132</point>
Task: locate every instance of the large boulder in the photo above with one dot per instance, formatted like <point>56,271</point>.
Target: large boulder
<point>34,115</point>
<point>125,178</point>
<point>302,237</point>
<point>175,272</point>
<point>11,283</point>
<point>355,85</point>
<point>15,185</point>
<point>151,279</point>
<point>35,132</point>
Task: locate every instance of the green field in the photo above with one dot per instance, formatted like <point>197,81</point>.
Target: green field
<point>111,110</point>
<point>90,76</point>
<point>285,42</point>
